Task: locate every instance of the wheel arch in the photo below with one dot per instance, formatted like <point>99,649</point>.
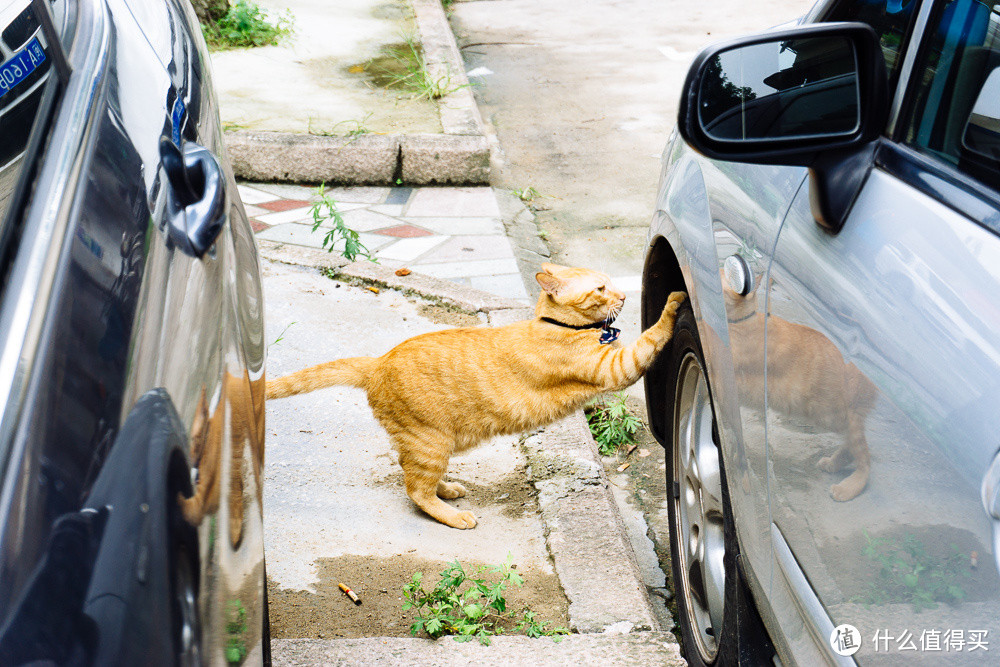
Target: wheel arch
<point>661,275</point>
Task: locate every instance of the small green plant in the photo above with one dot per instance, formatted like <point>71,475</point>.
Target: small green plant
<point>345,128</point>
<point>247,25</point>
<point>907,573</point>
<point>281,336</point>
<point>527,194</point>
<point>475,612</point>
<point>417,79</point>
<point>326,209</point>
<point>236,627</point>
<point>611,424</point>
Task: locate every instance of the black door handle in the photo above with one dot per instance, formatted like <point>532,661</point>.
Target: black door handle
<point>196,196</point>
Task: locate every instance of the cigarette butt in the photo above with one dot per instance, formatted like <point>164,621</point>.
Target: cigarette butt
<point>623,466</point>
<point>349,593</point>
<point>631,449</point>
<point>974,559</point>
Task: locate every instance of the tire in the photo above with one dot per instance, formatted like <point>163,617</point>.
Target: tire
<point>265,638</point>
<point>703,545</point>
<point>184,608</point>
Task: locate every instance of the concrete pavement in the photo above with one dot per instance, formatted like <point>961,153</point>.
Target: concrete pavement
<point>335,509</point>
<point>326,103</point>
<point>448,232</point>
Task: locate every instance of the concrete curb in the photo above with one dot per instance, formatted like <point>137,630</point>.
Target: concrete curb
<point>497,310</point>
<point>645,648</point>
<point>586,535</point>
<point>521,227</point>
<point>459,156</point>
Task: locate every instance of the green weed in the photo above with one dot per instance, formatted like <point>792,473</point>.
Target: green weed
<point>281,336</point>
<point>247,25</point>
<point>611,424</point>
<point>907,573</point>
<point>475,612</point>
<point>415,78</point>
<point>527,194</point>
<point>326,209</point>
<point>345,128</point>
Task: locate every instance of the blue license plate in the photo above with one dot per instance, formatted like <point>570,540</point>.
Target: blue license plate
<point>18,68</point>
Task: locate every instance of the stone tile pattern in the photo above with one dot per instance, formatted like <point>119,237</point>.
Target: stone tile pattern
<point>453,233</point>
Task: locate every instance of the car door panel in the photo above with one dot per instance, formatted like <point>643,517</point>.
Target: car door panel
<point>747,205</point>
<point>902,297</point>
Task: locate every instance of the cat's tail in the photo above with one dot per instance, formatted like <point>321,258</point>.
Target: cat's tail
<point>353,372</point>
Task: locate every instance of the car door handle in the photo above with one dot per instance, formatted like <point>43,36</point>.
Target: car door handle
<point>196,196</point>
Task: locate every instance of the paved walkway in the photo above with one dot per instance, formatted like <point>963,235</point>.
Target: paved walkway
<point>444,232</point>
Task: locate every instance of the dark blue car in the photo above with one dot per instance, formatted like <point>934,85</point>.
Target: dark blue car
<point>131,347</point>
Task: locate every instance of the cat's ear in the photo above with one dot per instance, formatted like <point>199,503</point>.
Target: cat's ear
<point>551,269</point>
<point>548,282</point>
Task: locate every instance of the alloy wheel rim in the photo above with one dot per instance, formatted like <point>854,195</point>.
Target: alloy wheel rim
<point>188,649</point>
<point>698,508</point>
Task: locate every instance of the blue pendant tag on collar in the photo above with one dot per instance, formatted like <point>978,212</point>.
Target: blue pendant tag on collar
<point>609,335</point>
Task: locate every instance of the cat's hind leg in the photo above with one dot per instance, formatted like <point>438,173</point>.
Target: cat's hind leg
<point>839,460</point>
<point>424,461</point>
<point>857,446</point>
<point>450,490</point>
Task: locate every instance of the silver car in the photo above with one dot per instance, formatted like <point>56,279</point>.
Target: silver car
<point>830,402</point>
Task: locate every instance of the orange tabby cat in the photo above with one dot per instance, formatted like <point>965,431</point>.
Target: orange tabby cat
<point>445,392</point>
<point>246,429</point>
<point>807,378</point>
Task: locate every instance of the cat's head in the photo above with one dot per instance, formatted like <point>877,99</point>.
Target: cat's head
<point>577,296</point>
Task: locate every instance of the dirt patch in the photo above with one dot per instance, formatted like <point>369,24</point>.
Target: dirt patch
<point>450,316</point>
<point>514,492</point>
<point>393,67</point>
<point>379,582</point>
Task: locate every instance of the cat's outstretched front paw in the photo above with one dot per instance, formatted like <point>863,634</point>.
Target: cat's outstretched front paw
<point>674,302</point>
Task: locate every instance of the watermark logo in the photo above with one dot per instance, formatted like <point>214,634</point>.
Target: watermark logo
<point>845,640</point>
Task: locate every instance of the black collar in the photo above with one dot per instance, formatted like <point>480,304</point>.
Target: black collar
<point>578,327</point>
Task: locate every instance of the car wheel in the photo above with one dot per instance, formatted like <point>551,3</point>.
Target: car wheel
<point>702,537</point>
<point>187,643</point>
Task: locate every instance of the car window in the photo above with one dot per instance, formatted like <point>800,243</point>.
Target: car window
<point>26,66</point>
<point>889,18</point>
<point>955,112</point>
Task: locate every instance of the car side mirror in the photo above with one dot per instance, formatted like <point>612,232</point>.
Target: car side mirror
<point>812,96</point>
<point>982,132</point>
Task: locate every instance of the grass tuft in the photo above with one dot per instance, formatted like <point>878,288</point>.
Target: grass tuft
<point>470,606</point>
<point>247,25</point>
<point>611,423</point>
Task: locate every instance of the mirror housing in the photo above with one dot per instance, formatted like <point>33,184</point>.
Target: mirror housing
<point>982,131</point>
<point>800,149</point>
<point>838,153</point>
